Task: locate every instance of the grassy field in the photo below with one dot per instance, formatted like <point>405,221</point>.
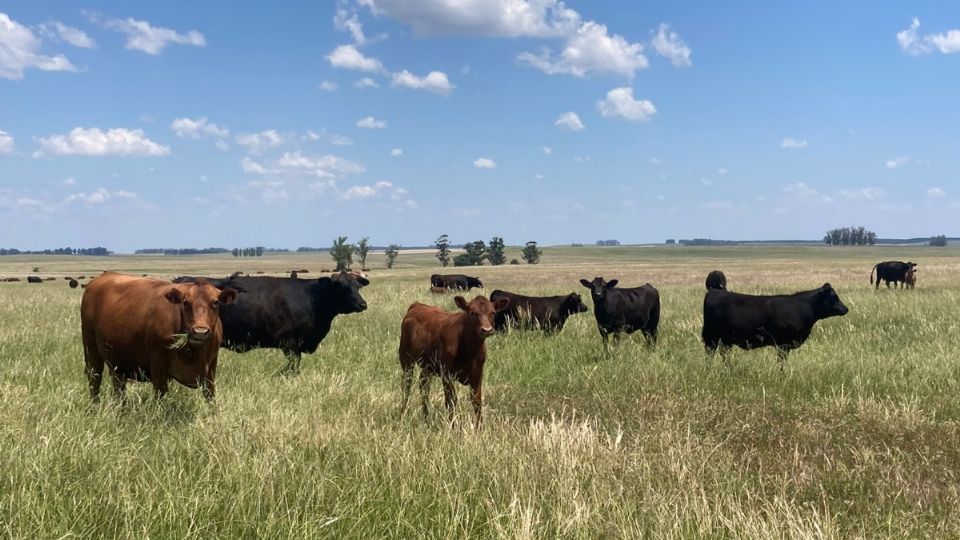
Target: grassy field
<point>858,438</point>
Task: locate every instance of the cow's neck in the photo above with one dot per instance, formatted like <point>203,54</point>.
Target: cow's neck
<point>471,345</point>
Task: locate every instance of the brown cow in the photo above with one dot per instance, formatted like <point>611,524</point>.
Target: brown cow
<point>447,344</point>
<point>910,278</point>
<point>131,325</point>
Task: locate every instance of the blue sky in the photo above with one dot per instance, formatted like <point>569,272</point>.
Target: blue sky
<point>181,124</point>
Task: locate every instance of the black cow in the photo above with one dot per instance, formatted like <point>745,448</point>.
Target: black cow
<point>34,279</point>
<point>895,271</point>
<point>716,280</point>
<point>293,315</point>
<point>549,313</point>
<point>624,310</point>
<point>750,322</point>
<point>455,281</point>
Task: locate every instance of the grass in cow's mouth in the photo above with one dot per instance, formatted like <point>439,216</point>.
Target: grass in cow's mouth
<point>178,341</point>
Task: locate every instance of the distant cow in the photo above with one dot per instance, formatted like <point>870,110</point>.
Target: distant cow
<point>73,283</point>
<point>910,279</point>
<point>549,313</point>
<point>624,310</point>
<point>455,281</point>
<point>293,274</point>
<point>716,280</point>
<point>67,278</point>
<point>439,290</point>
<point>49,279</point>
<point>11,279</point>
<point>151,330</point>
<point>750,322</point>
<point>891,271</point>
<point>293,315</point>
<point>34,279</point>
<point>450,345</point>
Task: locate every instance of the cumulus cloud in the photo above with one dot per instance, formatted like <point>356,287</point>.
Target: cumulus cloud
<point>196,129</point>
<point>435,81</point>
<point>347,21</point>
<point>620,103</point>
<point>911,42</point>
<point>250,166</point>
<point>569,121</point>
<point>668,44</point>
<point>396,152</point>
<point>793,144</point>
<point>257,142</point>
<point>100,196</point>
<point>484,163</point>
<point>366,82</point>
<point>20,50</point>
<point>865,194</point>
<point>802,192</point>
<point>936,193</point>
<point>141,36</point>
<point>349,57</point>
<point>68,34</point>
<point>590,50</point>
<point>6,142</point>
<point>95,142</point>
<point>897,162</point>
<point>332,138</point>
<point>379,189</point>
<point>327,166</point>
<point>328,86</point>
<point>371,123</point>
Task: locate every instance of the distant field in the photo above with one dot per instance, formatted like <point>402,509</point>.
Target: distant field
<point>857,438</point>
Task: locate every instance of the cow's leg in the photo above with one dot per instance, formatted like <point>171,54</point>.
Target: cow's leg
<point>293,362</point>
<point>94,368</point>
<point>160,377</point>
<point>425,392</point>
<point>449,397</point>
<point>406,381</point>
<point>605,338</point>
<point>616,339</point>
<point>476,388</point>
<point>119,383</point>
<point>782,353</point>
<point>208,383</point>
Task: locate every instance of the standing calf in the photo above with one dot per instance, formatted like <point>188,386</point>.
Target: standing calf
<point>451,345</point>
<point>624,310</point>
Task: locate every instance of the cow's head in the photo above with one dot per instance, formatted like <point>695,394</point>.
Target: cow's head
<point>912,264</point>
<point>199,308</point>
<point>574,304</point>
<point>481,313</point>
<point>599,287</point>
<point>474,282</point>
<point>346,292</point>
<point>828,303</point>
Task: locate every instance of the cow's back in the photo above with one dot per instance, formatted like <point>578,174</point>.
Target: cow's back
<point>633,307</point>
<point>270,312</point>
<point>427,332</point>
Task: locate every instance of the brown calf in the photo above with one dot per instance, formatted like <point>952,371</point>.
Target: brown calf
<point>447,344</point>
<point>132,324</point>
<point>910,278</point>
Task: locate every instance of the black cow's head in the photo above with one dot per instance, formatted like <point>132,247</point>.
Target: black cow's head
<point>345,290</point>
<point>599,287</point>
<point>911,264</point>
<point>573,304</point>
<point>474,282</point>
<point>828,303</point>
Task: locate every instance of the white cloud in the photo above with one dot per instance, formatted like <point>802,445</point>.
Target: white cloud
<point>911,42</point>
<point>435,81</point>
<point>94,142</point>
<point>347,21</point>
<point>20,50</point>
<point>396,152</point>
<point>257,142</point>
<point>326,166</point>
<point>371,123</point>
<point>867,194</point>
<point>547,150</point>
<point>936,192</point>
<point>722,171</point>
<point>802,192</point>
<point>581,159</point>
<point>152,39</point>
<point>6,142</point>
<point>491,18</point>
<point>655,161</point>
<point>620,103</point>
<point>250,166</point>
<point>484,163</point>
<point>706,181</point>
<point>570,121</point>
<point>897,162</point>
<point>196,129</point>
<point>348,57</point>
<point>100,196</point>
<point>366,82</point>
<point>792,143</point>
<point>69,181</point>
<point>68,34</point>
<point>332,138</point>
<point>668,44</point>
<point>717,205</point>
<point>538,176</point>
<point>590,50</point>
<point>328,86</point>
<point>380,189</point>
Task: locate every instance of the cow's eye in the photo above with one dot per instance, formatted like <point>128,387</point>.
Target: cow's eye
<point>215,304</point>
<point>186,303</point>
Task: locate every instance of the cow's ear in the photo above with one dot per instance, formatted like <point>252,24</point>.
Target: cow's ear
<point>586,283</point>
<point>227,296</point>
<point>826,286</point>
<point>501,304</point>
<point>612,283</point>
<point>363,281</point>
<point>461,302</point>
<point>174,296</point>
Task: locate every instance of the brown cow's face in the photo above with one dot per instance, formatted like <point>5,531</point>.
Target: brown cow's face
<point>200,308</point>
<point>481,313</point>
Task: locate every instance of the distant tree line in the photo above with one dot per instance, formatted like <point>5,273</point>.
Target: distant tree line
<point>99,251</point>
<point>608,242</point>
<point>938,241</point>
<point>850,236</point>
<point>249,251</point>
<point>478,251</point>
<point>181,251</point>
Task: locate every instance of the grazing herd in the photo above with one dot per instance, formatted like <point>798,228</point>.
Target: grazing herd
<point>146,329</point>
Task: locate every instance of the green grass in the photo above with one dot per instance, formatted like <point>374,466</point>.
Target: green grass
<point>857,438</point>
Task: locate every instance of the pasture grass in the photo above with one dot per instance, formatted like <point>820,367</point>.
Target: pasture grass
<point>858,438</point>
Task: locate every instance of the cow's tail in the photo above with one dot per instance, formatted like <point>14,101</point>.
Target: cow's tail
<point>872,271</point>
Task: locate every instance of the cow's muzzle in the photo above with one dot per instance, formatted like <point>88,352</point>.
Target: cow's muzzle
<point>199,335</point>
